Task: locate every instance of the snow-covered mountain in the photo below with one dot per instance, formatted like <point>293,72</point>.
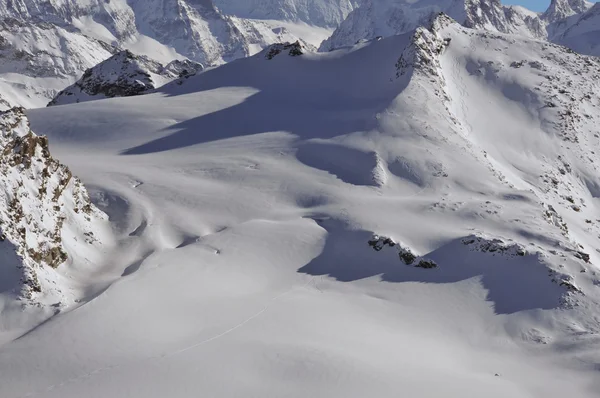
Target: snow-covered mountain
<point>417,211</point>
<point>323,13</point>
<point>562,9</point>
<point>583,32</point>
<point>46,218</point>
<point>390,17</point>
<point>56,41</point>
<point>124,74</point>
<point>37,60</point>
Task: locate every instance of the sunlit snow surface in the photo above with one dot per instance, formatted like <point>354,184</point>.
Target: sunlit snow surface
<point>243,200</point>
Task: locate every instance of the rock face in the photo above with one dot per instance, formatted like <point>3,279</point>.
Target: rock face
<point>45,212</point>
<point>123,75</point>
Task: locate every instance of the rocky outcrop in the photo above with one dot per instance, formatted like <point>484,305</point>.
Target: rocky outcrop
<point>293,49</point>
<point>39,200</point>
<point>122,75</point>
<point>422,54</point>
<point>405,254</point>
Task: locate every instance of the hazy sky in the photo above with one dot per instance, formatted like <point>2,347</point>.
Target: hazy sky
<point>535,5</point>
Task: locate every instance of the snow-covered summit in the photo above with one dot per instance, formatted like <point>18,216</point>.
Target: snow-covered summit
<point>124,74</point>
<point>46,217</point>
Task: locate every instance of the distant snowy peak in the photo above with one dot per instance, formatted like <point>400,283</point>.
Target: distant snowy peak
<point>561,9</point>
<point>123,75</point>
<point>115,15</point>
<point>37,60</point>
<point>583,34</point>
<point>385,18</point>
<point>493,16</point>
<point>45,212</point>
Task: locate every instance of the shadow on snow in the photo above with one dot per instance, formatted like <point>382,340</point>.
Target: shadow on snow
<point>513,283</point>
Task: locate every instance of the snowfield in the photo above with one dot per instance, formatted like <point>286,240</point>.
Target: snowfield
<point>244,198</point>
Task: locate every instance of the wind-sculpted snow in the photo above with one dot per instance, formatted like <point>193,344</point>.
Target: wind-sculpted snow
<point>46,214</point>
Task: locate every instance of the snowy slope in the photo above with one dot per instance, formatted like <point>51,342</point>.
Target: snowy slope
<point>124,74</point>
<point>244,202</point>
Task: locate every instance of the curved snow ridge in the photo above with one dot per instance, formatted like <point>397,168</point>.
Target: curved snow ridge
<point>47,217</point>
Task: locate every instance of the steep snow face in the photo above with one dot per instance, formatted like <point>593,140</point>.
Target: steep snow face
<point>38,60</point>
<point>324,13</point>
<point>245,201</point>
<point>583,32</point>
<point>124,74</point>
<point>389,17</point>
<point>46,217</point>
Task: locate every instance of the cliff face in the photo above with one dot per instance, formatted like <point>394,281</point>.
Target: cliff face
<point>46,215</point>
